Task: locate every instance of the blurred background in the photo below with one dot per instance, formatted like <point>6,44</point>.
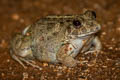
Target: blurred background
<point>15,15</point>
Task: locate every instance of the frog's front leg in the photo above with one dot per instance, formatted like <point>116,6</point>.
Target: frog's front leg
<point>17,59</point>
<point>30,62</point>
<point>97,46</point>
<point>64,55</point>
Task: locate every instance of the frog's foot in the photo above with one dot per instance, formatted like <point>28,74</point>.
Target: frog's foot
<point>93,51</point>
<point>17,59</point>
<point>70,62</point>
<point>30,62</point>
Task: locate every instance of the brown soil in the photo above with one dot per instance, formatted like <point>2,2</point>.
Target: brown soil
<point>16,14</point>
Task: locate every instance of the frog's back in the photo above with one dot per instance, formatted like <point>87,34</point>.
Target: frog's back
<point>47,34</point>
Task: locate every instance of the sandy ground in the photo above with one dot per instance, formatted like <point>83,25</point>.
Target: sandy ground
<point>16,14</point>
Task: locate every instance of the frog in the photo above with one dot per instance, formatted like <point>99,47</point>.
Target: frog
<point>57,39</point>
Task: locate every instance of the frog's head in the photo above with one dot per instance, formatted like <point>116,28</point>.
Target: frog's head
<point>84,25</point>
<point>20,45</point>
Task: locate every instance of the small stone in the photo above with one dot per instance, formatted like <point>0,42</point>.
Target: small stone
<point>40,69</point>
<point>15,16</point>
<point>64,67</point>
<point>45,64</point>
<point>60,67</point>
<point>68,78</point>
<point>10,68</point>
<point>104,66</point>
<point>116,49</point>
<point>111,47</point>
<point>8,60</point>
<point>2,74</point>
<point>113,39</point>
<point>119,19</point>
<point>52,66</point>
<point>113,68</point>
<point>42,77</point>
<point>103,33</point>
<point>59,74</point>
<point>25,75</point>
<point>3,44</point>
<point>80,79</point>
<point>69,70</point>
<point>32,77</point>
<point>118,29</point>
<point>22,20</point>
<point>55,70</point>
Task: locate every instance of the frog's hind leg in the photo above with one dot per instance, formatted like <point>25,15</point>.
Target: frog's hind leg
<point>20,60</point>
<point>65,58</point>
<point>17,59</point>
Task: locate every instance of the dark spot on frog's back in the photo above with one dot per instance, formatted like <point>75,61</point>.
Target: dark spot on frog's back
<point>55,33</point>
<point>49,26</point>
<point>68,20</point>
<point>49,37</point>
<point>69,29</point>
<point>61,22</point>
<point>41,38</point>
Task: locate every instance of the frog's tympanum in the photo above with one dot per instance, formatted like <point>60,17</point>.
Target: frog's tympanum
<point>57,39</point>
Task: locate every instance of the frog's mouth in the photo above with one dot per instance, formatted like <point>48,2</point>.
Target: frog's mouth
<point>84,33</point>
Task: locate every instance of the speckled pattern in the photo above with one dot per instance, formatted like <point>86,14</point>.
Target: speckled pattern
<point>15,15</point>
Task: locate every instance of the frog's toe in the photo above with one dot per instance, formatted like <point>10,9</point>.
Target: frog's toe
<point>18,60</point>
<point>94,51</point>
<point>31,63</point>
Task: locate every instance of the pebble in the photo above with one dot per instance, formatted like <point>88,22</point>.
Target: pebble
<point>25,75</point>
<point>64,67</point>
<point>59,74</point>
<point>68,78</point>
<point>118,29</point>
<point>10,68</point>
<point>3,44</point>
<point>8,60</point>
<point>2,74</point>
<point>103,33</point>
<point>45,64</point>
<point>104,66</point>
<point>22,20</point>
<point>60,67</point>
<point>15,16</point>
<point>110,48</point>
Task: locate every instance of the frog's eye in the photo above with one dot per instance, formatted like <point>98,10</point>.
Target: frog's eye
<point>77,24</point>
